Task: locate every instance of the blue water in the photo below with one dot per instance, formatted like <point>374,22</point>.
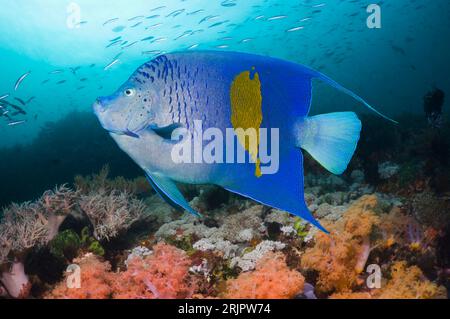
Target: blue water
<point>392,67</point>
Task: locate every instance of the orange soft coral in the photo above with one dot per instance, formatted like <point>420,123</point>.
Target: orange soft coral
<point>340,257</point>
<point>272,279</point>
<point>162,275</point>
<point>351,295</point>
<point>409,283</point>
<point>95,281</point>
<point>405,283</point>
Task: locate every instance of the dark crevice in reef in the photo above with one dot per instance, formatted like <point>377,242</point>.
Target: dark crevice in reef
<point>75,145</point>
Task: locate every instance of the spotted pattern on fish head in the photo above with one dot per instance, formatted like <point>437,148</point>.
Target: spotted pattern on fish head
<point>136,105</point>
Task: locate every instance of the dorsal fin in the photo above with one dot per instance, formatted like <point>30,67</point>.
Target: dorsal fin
<point>336,85</point>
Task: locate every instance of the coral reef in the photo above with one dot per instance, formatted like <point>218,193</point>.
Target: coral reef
<point>405,283</point>
<point>340,257</point>
<point>249,260</point>
<point>409,283</point>
<point>95,281</point>
<point>271,279</point>
<point>28,226</point>
<point>111,212</point>
<point>128,243</point>
<point>163,274</point>
<point>101,181</point>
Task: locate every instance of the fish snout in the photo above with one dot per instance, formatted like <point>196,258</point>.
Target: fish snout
<point>99,106</point>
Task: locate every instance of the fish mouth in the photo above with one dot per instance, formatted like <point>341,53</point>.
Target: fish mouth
<point>125,133</point>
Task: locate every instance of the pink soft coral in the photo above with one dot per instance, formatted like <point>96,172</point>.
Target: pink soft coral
<point>162,275</point>
<point>96,280</point>
<point>272,279</point>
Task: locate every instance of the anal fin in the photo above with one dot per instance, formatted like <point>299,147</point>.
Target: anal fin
<point>282,190</point>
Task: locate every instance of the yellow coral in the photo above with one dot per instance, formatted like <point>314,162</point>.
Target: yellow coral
<point>405,283</point>
<point>351,295</point>
<point>409,283</point>
<point>341,256</point>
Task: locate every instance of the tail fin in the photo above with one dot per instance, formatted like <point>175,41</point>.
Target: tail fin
<point>330,138</point>
<point>339,87</point>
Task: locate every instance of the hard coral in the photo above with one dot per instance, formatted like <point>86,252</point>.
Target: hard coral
<point>340,257</point>
<point>272,279</point>
<point>161,275</point>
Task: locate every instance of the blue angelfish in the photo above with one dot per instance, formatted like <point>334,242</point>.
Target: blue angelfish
<point>226,91</point>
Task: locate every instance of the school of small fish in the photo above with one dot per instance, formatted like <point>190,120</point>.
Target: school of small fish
<point>151,33</point>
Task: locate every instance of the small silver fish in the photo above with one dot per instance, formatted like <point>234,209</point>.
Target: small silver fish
<point>20,80</point>
<point>208,18</point>
<point>295,29</point>
<point>185,34</point>
<point>116,39</point>
<point>20,101</point>
<point>158,8</point>
<point>136,25</point>
<point>193,46</point>
<point>175,13</point>
<point>30,100</point>
<point>129,45</point>
<point>159,40</point>
<point>154,26</point>
<point>109,66</point>
<point>56,72</point>
<point>4,97</point>
<point>136,17</point>
<point>15,123</point>
<point>117,56</point>
<point>110,21</point>
<point>147,38</point>
<point>195,12</point>
<point>79,24</point>
<point>277,18</point>
<point>151,52</point>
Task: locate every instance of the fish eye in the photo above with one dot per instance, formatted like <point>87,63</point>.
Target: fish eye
<point>129,92</point>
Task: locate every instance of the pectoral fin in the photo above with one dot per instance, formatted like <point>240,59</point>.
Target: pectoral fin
<point>167,189</point>
<point>167,131</point>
